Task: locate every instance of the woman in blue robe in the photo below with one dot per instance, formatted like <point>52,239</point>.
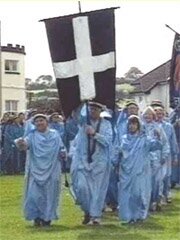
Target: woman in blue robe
<point>8,147</point>
<point>29,125</point>
<point>4,123</point>
<point>112,192</point>
<point>56,122</point>
<point>90,170</point>
<point>131,108</point>
<point>157,158</point>
<point>16,130</point>
<point>42,188</point>
<point>172,157</point>
<point>134,174</point>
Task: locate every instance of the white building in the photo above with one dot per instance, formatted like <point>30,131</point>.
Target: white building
<point>12,79</point>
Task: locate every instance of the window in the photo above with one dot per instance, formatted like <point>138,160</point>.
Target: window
<point>11,66</point>
<point>11,106</point>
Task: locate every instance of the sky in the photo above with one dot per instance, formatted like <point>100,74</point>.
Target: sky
<point>142,40</point>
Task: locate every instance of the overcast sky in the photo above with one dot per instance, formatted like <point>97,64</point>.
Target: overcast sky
<point>142,40</point>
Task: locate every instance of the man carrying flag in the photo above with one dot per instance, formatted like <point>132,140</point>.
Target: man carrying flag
<point>82,48</point>
<point>90,168</point>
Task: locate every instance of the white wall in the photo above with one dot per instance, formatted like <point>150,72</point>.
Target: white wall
<point>13,85</point>
<point>160,92</point>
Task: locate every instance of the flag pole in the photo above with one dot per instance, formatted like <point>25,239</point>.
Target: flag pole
<point>171,29</point>
<point>79,5</point>
<point>88,137</point>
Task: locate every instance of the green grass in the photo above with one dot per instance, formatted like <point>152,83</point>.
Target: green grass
<point>162,226</point>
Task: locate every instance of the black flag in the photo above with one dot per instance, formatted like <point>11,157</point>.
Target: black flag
<point>175,73</point>
<point>82,48</point>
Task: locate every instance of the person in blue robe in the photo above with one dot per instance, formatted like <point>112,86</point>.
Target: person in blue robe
<point>16,130</point>
<point>8,148</point>
<point>157,158</point>
<point>42,188</point>
<point>4,124</point>
<point>21,116</point>
<point>172,158</point>
<point>90,168</point>
<point>134,189</point>
<point>70,131</point>
<point>112,196</point>
<point>131,108</point>
<point>29,125</point>
<point>71,128</point>
<point>175,121</point>
<point>175,178</point>
<point>56,122</point>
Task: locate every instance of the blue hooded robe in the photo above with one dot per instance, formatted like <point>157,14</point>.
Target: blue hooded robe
<point>90,180</point>
<point>157,159</point>
<point>43,172</point>
<point>167,170</point>
<point>135,176</point>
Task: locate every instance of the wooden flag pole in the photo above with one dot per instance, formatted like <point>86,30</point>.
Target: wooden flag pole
<point>79,5</point>
<point>172,29</point>
<point>88,123</point>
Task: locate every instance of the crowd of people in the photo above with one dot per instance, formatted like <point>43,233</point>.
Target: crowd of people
<point>127,161</point>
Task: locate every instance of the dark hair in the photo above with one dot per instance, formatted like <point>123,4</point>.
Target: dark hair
<point>134,119</point>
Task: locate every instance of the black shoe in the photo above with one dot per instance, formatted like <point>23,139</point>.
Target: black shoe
<point>96,221</point>
<point>86,219</point>
<point>169,200</point>
<point>37,222</point>
<point>46,223</point>
<point>132,221</point>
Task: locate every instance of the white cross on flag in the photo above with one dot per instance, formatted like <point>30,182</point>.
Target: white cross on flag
<point>82,49</point>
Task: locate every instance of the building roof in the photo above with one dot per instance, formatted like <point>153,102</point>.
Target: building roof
<point>15,49</point>
<point>149,80</point>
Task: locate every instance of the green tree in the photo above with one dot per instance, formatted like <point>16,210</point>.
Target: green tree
<point>133,74</point>
<point>123,90</point>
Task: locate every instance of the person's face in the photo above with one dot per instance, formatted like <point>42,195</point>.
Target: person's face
<point>22,117</point>
<point>149,117</point>
<point>17,120</point>
<point>55,118</point>
<point>95,112</point>
<point>41,124</point>
<point>132,110</point>
<point>133,127</point>
<point>159,114</point>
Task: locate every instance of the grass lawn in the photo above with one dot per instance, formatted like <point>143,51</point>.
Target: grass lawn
<point>162,226</point>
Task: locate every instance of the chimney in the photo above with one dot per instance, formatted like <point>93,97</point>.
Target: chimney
<point>9,45</point>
